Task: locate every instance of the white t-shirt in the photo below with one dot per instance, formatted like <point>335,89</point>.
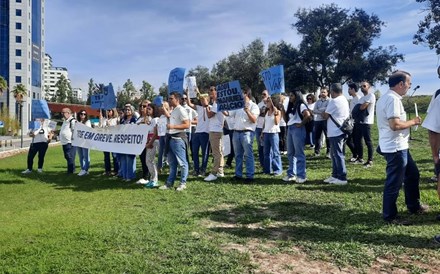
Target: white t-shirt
<point>282,121</point>
<point>432,120</point>
<point>312,107</point>
<point>216,122</point>
<point>260,120</point>
<point>191,114</point>
<point>294,118</point>
<point>150,125</point>
<point>178,115</point>
<point>354,101</point>
<point>371,99</point>
<point>203,120</point>
<point>162,125</point>
<point>66,131</point>
<point>230,120</point>
<point>338,108</point>
<point>41,134</point>
<point>242,121</point>
<point>269,124</point>
<point>390,106</point>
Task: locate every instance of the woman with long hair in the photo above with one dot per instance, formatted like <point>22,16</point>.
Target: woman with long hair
<point>143,119</point>
<point>127,162</point>
<point>83,153</point>
<point>271,150</point>
<point>110,120</point>
<point>297,115</point>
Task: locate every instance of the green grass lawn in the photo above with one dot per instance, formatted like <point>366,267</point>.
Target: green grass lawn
<point>58,223</point>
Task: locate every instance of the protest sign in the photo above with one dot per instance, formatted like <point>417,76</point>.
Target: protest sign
<point>158,101</point>
<point>40,109</point>
<point>34,124</point>
<point>109,100</point>
<point>52,125</point>
<point>229,96</point>
<point>125,139</point>
<point>192,85</point>
<point>273,79</point>
<point>97,101</point>
<point>2,124</point>
<point>175,80</point>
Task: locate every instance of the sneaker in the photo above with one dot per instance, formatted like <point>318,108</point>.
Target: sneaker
<point>142,181</point>
<point>433,179</point>
<point>317,154</point>
<point>301,180</point>
<point>328,155</point>
<point>221,175</point>
<point>210,178</point>
<point>27,171</point>
<point>195,173</point>
<point>368,164</point>
<point>82,173</point>
<point>40,170</point>
<point>338,182</point>
<point>422,210</point>
<point>289,178</point>
<point>398,221</point>
<point>249,180</point>
<point>354,159</point>
<point>165,187</point>
<point>237,178</point>
<point>329,179</point>
<point>359,162</point>
<point>181,187</point>
<point>151,184</point>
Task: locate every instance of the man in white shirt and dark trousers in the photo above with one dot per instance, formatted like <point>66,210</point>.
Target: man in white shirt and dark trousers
<point>320,122</point>
<point>353,92</point>
<point>394,146</point>
<point>66,136</point>
<point>367,102</point>
<point>260,125</point>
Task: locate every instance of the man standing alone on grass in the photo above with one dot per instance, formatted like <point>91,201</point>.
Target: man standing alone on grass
<point>393,145</point>
<point>178,143</point>
<point>66,136</point>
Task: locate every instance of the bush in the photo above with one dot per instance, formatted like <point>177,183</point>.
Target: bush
<point>10,124</point>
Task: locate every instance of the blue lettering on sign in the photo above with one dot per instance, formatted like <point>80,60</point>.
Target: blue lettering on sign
<point>273,79</point>
<point>229,96</point>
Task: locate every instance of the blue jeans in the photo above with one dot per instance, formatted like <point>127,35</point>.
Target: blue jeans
<point>339,171</point>
<point>177,156</point>
<point>260,143</point>
<point>200,140</point>
<point>84,158</point>
<point>243,141</point>
<point>162,144</point>
<point>107,162</point>
<point>296,138</point>
<point>127,166</point>
<point>272,156</point>
<point>69,155</point>
<point>401,168</point>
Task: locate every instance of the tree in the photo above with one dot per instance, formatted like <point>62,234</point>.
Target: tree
<point>129,88</point>
<point>19,92</point>
<point>163,91</point>
<point>64,90</point>
<point>336,46</point>
<point>147,91</point>
<point>203,77</point>
<point>3,85</point>
<point>429,27</point>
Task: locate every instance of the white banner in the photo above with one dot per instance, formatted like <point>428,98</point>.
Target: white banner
<point>191,82</point>
<point>127,139</point>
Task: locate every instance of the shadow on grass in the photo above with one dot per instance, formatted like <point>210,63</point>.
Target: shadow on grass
<point>299,221</point>
<point>11,182</point>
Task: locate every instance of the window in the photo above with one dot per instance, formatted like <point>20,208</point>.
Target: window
<point>17,65</point>
<point>17,25</point>
<point>18,12</point>
<point>18,1</point>
<point>18,39</point>
<point>18,52</point>
<point>18,79</point>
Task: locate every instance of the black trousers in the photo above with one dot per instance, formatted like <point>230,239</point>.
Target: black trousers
<point>35,148</point>
<point>364,132</point>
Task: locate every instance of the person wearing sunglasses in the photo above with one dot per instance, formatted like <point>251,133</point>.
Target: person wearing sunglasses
<point>83,153</point>
<point>66,133</point>
<point>127,162</point>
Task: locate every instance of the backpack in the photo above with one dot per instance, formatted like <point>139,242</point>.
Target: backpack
<point>346,127</point>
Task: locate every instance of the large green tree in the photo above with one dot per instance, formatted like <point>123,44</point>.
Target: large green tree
<point>129,88</point>
<point>91,90</point>
<point>147,91</point>
<point>3,85</point>
<point>336,46</point>
<point>163,91</point>
<point>64,91</point>
<point>429,27</point>
<point>203,77</point>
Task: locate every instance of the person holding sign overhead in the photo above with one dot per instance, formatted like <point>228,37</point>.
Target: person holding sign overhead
<point>40,142</point>
<point>244,132</point>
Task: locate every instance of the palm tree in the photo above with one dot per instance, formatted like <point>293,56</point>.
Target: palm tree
<point>3,85</point>
<point>19,92</point>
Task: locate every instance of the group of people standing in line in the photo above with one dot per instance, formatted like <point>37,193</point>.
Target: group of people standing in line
<point>180,130</point>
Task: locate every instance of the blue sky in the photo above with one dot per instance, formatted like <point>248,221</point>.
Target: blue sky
<point>113,40</point>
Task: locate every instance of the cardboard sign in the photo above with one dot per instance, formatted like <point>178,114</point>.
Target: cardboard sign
<point>192,85</point>
<point>175,80</point>
<point>40,109</point>
<point>109,100</point>
<point>273,79</point>
<point>158,101</point>
<point>229,96</point>
<point>97,101</point>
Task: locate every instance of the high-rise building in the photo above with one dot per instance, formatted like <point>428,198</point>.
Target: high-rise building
<point>21,52</point>
<point>51,76</point>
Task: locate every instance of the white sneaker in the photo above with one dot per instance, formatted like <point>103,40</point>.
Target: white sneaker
<point>165,187</point>
<point>301,180</point>
<point>210,178</point>
<point>142,181</point>
<point>82,173</point>
<point>27,171</point>
<point>328,155</point>
<point>221,175</point>
<point>181,187</point>
<point>329,179</point>
<point>40,170</point>
<point>289,178</point>
<point>339,182</point>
